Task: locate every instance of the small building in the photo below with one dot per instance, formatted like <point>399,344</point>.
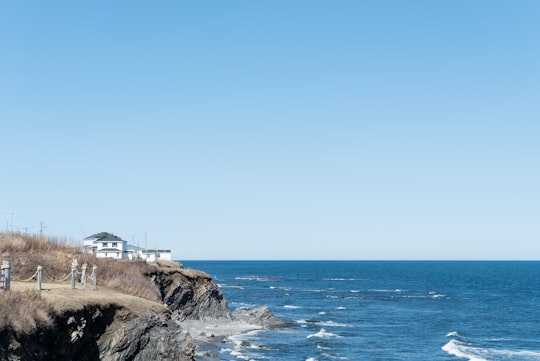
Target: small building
<point>106,245</point>
<point>152,255</point>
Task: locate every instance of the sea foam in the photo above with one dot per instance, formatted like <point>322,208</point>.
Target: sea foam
<point>459,349</point>
<point>323,334</point>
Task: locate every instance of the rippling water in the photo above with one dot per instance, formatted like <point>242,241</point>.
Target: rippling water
<point>348,310</point>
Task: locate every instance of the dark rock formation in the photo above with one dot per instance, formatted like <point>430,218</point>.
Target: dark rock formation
<point>101,332</point>
<point>260,316</point>
<point>190,294</point>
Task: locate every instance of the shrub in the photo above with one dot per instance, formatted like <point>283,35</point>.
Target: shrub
<point>24,311</point>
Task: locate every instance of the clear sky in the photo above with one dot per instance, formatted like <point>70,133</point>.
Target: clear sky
<point>275,129</point>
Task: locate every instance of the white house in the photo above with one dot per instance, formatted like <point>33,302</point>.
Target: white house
<point>106,245</point>
<point>152,255</point>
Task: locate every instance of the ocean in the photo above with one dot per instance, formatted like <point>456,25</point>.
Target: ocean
<point>384,310</point>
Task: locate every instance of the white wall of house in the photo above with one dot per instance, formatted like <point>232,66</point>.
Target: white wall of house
<point>106,245</point>
<point>108,249</point>
<point>157,255</point>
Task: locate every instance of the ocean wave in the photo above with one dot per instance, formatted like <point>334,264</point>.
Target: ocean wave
<point>258,278</point>
<point>292,307</point>
<point>222,285</point>
<point>334,324</point>
<point>323,323</point>
<point>460,349</point>
<point>395,290</point>
<point>280,288</point>
<point>323,334</point>
<point>475,353</point>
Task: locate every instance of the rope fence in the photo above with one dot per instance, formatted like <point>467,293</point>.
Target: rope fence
<point>6,276</point>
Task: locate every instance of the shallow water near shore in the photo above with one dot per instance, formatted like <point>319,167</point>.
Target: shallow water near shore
<point>371,310</point>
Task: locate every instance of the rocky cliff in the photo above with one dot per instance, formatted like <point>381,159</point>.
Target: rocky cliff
<point>110,325</point>
<point>101,331</point>
<point>190,294</point>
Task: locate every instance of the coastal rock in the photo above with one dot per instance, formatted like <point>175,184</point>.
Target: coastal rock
<point>147,338</point>
<point>190,294</point>
<point>101,332</point>
<point>260,316</point>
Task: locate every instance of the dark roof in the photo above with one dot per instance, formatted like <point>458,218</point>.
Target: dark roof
<point>105,237</point>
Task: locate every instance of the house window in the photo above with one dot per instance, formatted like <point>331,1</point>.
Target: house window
<point>105,244</point>
<point>114,245</point>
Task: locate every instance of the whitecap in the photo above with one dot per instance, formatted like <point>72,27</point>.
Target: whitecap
<point>340,308</point>
<point>333,324</point>
<point>434,294</point>
<point>292,307</point>
<point>311,359</point>
<point>453,334</point>
<point>459,349</point>
<point>473,353</point>
<point>322,313</point>
<point>323,334</point>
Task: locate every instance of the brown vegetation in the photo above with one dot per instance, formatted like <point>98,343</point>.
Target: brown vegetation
<point>24,311</point>
<point>26,252</point>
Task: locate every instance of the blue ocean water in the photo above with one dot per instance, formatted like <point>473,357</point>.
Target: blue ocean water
<point>388,310</point>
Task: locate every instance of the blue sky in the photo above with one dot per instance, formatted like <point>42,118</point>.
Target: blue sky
<point>275,129</point>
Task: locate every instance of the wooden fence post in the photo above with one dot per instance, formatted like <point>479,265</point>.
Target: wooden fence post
<point>83,277</point>
<point>39,277</point>
<point>74,272</point>
<point>6,271</point>
<point>94,272</point>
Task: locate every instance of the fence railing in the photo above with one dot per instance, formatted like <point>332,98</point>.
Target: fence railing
<point>5,276</point>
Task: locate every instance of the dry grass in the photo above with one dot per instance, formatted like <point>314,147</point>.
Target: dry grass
<point>27,252</point>
<point>24,311</point>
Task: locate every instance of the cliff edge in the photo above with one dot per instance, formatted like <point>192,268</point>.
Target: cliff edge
<point>90,325</point>
<point>189,294</point>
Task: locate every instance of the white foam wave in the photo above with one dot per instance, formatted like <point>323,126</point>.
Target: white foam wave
<point>322,313</point>
<point>333,324</point>
<point>459,349</point>
<point>220,285</point>
<point>323,334</point>
<point>311,359</point>
<point>453,334</point>
<point>340,308</point>
<point>472,353</point>
<point>292,307</point>
<point>396,290</point>
<point>257,278</point>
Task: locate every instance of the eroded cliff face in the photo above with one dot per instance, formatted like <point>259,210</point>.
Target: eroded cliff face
<point>112,326</point>
<point>101,332</point>
<point>188,293</point>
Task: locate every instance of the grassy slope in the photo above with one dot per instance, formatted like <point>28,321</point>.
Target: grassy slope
<point>24,310</point>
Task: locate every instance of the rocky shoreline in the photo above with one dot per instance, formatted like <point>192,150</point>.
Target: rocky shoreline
<point>109,325</point>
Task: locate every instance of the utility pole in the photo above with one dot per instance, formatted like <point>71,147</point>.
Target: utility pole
<point>40,229</point>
